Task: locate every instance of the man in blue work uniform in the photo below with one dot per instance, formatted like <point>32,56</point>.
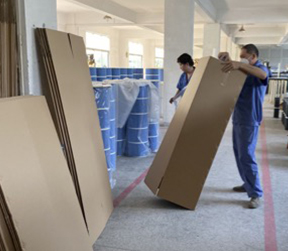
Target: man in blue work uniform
<point>186,64</point>
<point>247,118</point>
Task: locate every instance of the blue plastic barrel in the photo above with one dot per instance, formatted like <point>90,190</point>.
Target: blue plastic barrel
<point>115,73</point>
<point>138,73</point>
<point>137,126</point>
<point>130,73</point>
<point>108,73</point>
<point>93,73</point>
<point>153,75</point>
<point>101,74</point>
<point>121,140</point>
<point>123,73</point>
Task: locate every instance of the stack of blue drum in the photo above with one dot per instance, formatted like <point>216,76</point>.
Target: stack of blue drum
<point>101,74</point>
<point>137,126</point>
<point>139,135</point>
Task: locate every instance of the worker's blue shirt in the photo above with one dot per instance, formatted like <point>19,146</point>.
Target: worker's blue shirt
<point>183,81</point>
<point>248,109</point>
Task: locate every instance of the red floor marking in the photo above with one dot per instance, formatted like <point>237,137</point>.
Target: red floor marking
<point>269,218</point>
<point>129,189</point>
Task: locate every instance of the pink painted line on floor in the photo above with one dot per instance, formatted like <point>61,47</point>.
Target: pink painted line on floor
<point>269,217</point>
<point>129,189</point>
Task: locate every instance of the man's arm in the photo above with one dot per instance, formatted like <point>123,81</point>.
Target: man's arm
<point>245,68</point>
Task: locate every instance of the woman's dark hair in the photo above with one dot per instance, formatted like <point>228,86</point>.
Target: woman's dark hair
<point>185,58</point>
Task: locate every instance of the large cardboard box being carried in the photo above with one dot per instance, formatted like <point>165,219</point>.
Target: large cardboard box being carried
<point>183,161</point>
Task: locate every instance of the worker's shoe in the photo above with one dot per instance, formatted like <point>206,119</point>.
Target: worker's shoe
<point>254,203</point>
<point>239,189</point>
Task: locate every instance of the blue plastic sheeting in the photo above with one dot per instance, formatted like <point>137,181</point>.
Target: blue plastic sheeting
<point>102,98</point>
<point>153,137</point>
<point>113,149</point>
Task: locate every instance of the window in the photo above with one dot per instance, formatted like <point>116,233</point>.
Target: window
<point>97,49</point>
<point>159,57</point>
<point>135,55</point>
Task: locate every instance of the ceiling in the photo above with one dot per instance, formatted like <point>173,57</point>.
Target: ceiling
<point>247,4</point>
<point>152,6</point>
<point>67,7</point>
<point>265,21</point>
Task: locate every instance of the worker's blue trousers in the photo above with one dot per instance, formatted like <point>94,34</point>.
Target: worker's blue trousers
<point>244,145</point>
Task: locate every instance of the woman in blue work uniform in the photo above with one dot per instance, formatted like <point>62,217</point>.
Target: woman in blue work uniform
<point>186,64</point>
<point>247,118</point>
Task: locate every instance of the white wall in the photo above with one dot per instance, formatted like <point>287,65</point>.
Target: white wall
<point>41,13</point>
<point>197,53</point>
<point>275,55</point>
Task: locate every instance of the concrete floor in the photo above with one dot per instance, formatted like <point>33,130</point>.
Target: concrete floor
<point>143,222</point>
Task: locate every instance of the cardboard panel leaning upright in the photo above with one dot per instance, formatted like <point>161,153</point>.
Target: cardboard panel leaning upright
<point>68,75</point>
<point>186,154</point>
<point>39,209</point>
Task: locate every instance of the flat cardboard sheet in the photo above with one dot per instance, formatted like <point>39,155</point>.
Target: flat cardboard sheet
<point>186,154</point>
<point>35,181</point>
<point>67,59</point>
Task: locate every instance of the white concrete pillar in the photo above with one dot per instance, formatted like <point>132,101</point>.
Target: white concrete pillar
<point>229,45</point>
<point>224,42</point>
<point>235,52</point>
<point>179,32</point>
<point>212,40</point>
<point>149,54</point>
<point>123,52</point>
<point>34,14</point>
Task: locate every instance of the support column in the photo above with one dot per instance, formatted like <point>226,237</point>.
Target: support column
<point>33,14</point>
<point>229,45</point>
<point>212,40</point>
<point>179,33</point>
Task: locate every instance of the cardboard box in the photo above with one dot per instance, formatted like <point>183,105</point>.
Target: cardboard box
<point>186,154</point>
<point>39,209</point>
<point>9,51</point>
<point>72,103</point>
